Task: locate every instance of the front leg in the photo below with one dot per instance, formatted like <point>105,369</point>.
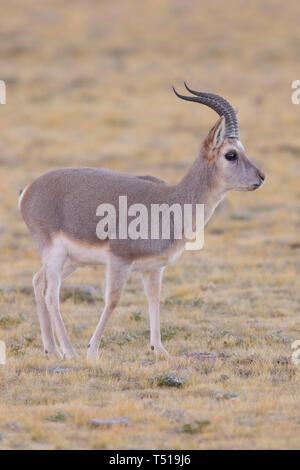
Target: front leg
<point>117,273</point>
<point>152,285</point>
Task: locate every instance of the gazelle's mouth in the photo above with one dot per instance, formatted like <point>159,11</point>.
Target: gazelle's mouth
<point>255,186</point>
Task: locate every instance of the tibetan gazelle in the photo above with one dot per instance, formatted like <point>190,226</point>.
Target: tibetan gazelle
<point>60,210</point>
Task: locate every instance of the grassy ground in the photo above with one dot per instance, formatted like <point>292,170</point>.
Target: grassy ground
<point>88,83</point>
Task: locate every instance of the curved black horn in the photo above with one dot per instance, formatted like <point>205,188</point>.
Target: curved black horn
<point>214,96</point>
<point>218,104</point>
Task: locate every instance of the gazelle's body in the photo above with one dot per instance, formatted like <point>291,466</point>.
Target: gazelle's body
<point>60,209</point>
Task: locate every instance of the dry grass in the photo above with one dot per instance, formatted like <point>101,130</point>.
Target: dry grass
<point>88,83</point>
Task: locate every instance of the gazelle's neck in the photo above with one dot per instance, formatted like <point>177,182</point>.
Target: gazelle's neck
<point>200,186</point>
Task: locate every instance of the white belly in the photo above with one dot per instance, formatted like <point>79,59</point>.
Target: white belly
<point>83,253</point>
<point>158,261</point>
<point>86,254</point>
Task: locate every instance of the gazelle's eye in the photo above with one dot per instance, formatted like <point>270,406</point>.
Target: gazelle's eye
<point>231,156</point>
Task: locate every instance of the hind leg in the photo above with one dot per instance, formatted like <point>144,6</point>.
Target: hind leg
<point>39,285</point>
<point>54,263</point>
<point>68,269</point>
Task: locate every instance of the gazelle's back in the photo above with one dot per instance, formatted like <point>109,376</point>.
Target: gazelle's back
<point>66,200</point>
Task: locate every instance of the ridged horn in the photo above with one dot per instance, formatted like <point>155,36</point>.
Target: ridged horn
<point>218,104</point>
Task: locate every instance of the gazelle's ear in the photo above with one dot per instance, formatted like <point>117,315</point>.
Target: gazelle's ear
<point>216,135</point>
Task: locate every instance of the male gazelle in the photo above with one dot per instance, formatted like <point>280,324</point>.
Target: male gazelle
<point>60,207</point>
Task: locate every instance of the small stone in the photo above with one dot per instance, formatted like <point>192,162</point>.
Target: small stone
<point>59,370</point>
<point>14,425</point>
<point>107,423</point>
<point>169,381</point>
<point>225,396</point>
<point>223,378</point>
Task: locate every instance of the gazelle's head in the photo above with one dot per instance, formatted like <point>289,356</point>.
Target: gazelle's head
<point>222,148</point>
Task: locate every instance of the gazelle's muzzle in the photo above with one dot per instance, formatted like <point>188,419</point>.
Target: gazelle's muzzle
<point>260,180</point>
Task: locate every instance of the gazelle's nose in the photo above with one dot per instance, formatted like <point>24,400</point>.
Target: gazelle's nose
<point>261,176</point>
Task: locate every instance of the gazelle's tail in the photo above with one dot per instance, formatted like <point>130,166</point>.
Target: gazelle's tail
<point>21,195</point>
